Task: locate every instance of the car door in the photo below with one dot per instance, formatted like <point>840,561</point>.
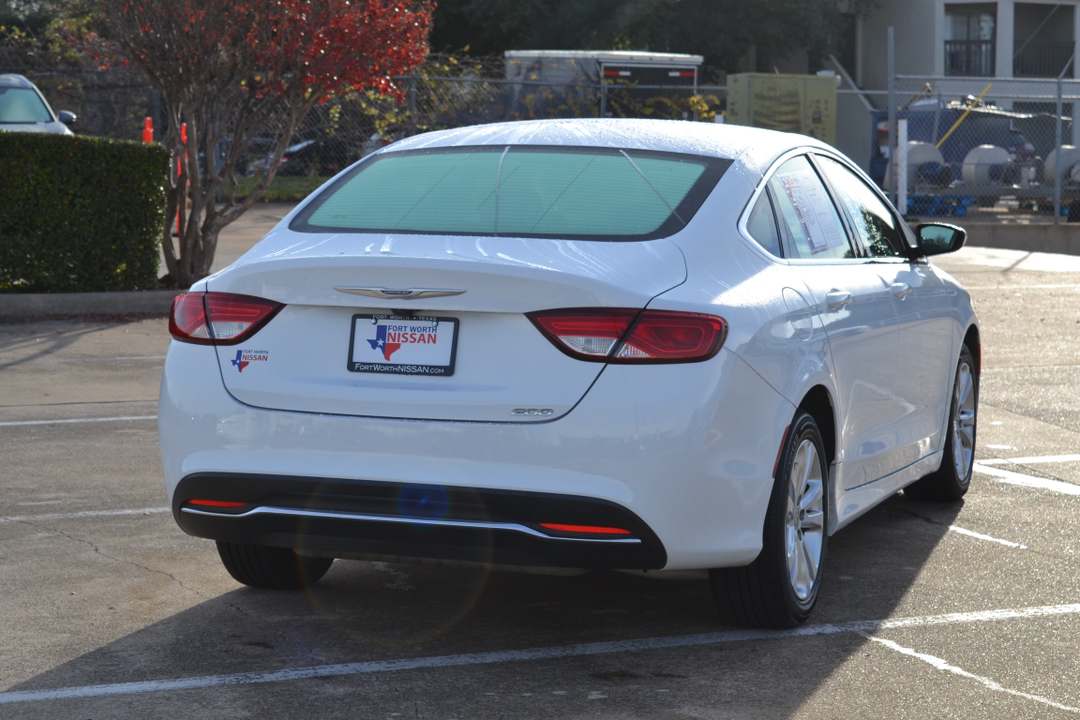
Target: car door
<point>928,342</point>
<point>856,309</point>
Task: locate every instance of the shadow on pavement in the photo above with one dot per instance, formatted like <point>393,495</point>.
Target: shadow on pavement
<point>370,612</point>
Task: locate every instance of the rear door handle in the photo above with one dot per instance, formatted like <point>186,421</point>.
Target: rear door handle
<point>900,289</point>
<point>837,299</point>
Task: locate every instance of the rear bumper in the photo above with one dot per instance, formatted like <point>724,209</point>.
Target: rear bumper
<point>422,521</point>
<point>689,452</point>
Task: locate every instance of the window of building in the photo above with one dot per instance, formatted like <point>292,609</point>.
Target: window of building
<point>970,36</point>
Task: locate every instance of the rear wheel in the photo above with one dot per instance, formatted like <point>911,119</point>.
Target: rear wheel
<point>272,568</point>
<point>952,479</point>
<point>779,589</point>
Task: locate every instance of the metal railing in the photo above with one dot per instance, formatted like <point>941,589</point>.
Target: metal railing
<point>1042,59</point>
<point>969,58</point>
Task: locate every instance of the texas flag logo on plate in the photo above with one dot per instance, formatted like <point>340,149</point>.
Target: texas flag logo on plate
<point>379,343</point>
<point>403,345</point>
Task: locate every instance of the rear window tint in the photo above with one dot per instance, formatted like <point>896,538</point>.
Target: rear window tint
<point>518,191</point>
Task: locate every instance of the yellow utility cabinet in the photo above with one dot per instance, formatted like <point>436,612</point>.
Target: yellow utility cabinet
<point>793,103</point>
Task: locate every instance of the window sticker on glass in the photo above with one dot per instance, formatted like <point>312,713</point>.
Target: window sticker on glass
<point>815,212</point>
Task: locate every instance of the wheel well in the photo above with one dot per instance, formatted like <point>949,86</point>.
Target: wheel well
<point>818,405</point>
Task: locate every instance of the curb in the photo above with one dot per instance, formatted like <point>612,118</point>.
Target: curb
<point>18,306</point>
<point>1044,238</point>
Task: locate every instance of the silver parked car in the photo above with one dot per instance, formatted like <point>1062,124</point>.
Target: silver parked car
<point>24,109</point>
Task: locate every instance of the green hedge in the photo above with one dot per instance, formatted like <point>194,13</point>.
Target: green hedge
<point>79,214</point>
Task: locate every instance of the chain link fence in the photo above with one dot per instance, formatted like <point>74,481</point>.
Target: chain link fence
<point>1005,152</point>
<point>446,94</point>
<point>983,148</point>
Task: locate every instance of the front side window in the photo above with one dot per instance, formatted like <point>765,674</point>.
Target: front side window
<point>876,225</point>
<point>22,105</point>
<point>520,191</point>
<point>810,224</point>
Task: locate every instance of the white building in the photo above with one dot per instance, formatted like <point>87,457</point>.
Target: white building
<point>1007,43</point>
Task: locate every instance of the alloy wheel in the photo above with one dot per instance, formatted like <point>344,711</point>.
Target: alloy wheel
<point>805,521</point>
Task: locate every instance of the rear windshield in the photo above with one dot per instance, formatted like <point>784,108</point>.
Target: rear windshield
<point>519,191</point>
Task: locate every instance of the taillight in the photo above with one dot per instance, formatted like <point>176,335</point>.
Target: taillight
<point>219,318</point>
<point>586,333</point>
<point>632,336</point>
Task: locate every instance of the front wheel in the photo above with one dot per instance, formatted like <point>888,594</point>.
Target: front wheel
<point>779,589</point>
<point>951,481</point>
<point>272,568</point>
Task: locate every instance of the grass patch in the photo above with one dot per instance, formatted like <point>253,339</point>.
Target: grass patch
<point>282,189</point>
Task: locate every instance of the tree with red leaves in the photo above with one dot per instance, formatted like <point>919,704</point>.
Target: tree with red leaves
<point>236,70</point>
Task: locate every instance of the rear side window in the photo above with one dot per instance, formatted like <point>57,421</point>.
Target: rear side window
<point>762,225</point>
<point>520,191</point>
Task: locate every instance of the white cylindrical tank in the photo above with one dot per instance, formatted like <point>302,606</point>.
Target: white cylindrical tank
<point>979,163</point>
<point>1068,159</point>
<point>918,153</point>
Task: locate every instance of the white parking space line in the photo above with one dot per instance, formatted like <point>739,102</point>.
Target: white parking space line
<point>1015,478</point>
<point>505,656</point>
<point>1040,459</point>
<point>1000,288</point>
<point>986,682</point>
<point>22,423</point>
<point>980,536</point>
<point>84,514</point>
<point>100,359</point>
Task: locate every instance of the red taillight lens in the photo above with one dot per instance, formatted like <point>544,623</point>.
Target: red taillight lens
<point>219,318</point>
<point>631,336</point>
<point>228,504</point>
<point>585,529</point>
<point>673,337</point>
<point>584,333</point>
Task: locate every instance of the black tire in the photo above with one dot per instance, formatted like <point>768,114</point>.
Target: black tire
<point>271,568</point>
<point>780,588</point>
<point>950,482</point>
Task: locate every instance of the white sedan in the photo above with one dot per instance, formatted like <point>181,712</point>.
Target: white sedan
<point>629,344</point>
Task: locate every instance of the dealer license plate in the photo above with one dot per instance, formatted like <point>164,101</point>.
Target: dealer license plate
<point>403,346</point>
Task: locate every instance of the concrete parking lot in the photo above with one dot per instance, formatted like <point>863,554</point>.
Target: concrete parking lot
<point>966,610</point>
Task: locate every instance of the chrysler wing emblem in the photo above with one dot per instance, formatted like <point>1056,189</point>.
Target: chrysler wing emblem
<point>398,293</point>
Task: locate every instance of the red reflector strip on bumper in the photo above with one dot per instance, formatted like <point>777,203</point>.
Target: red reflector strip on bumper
<point>216,503</point>
<point>585,529</point>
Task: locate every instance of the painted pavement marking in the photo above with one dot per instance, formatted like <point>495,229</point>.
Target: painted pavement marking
<point>125,418</point>
<point>504,656</point>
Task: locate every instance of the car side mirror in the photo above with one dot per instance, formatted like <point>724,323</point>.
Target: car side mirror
<point>66,116</point>
<point>939,238</point>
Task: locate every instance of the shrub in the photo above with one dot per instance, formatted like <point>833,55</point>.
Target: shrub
<point>80,214</point>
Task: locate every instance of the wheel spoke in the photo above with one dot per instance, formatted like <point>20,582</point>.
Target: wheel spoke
<point>812,557</point>
<point>813,520</point>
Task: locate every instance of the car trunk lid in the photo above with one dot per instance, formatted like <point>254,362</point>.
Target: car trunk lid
<point>453,306</point>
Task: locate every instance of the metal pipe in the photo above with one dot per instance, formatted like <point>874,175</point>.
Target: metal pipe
<point>891,53</point>
<point>966,113</point>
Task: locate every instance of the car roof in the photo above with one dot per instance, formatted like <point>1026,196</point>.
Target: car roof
<point>753,147</point>
<point>14,80</point>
